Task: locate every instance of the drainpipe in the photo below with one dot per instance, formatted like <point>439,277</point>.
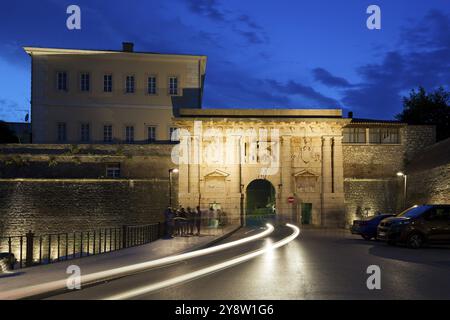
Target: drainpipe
<point>241,203</point>
<point>198,169</point>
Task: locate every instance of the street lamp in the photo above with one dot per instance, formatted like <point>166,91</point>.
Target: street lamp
<point>174,170</point>
<point>401,174</point>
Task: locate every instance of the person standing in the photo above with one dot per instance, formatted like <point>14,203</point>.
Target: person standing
<point>168,221</point>
<point>190,221</point>
<point>177,223</point>
<point>198,219</point>
<point>210,216</point>
<point>183,222</point>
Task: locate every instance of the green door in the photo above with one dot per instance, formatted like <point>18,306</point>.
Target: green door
<point>306,213</point>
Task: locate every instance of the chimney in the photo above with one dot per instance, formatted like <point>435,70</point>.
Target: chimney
<point>127,46</point>
<point>350,114</point>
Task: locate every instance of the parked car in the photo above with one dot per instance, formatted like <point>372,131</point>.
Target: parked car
<point>416,226</point>
<point>367,227</point>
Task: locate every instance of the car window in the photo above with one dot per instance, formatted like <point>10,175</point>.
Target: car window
<point>442,213</point>
<point>414,212</point>
<point>438,213</point>
<point>378,217</point>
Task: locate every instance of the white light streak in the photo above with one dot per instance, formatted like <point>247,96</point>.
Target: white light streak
<point>202,272</point>
<point>108,274</point>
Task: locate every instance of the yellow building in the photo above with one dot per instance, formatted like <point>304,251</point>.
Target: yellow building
<point>86,96</point>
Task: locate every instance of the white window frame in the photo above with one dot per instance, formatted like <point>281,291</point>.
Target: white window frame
<point>173,90</point>
<point>61,135</point>
<point>147,131</point>
<point>110,136</point>
<point>107,82</point>
<point>113,170</point>
<point>131,85</point>
<point>85,82</point>
<point>155,85</point>
<point>64,88</point>
<point>83,126</point>
<point>129,133</point>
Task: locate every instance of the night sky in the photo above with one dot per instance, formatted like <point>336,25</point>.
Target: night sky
<point>261,54</point>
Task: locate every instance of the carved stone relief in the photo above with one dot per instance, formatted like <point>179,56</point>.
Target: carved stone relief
<point>306,181</point>
<point>303,152</point>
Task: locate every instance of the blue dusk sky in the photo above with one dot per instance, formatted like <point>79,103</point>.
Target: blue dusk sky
<point>261,54</point>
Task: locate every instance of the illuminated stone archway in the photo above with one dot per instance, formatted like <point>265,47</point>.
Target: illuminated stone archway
<point>260,198</point>
<point>222,153</point>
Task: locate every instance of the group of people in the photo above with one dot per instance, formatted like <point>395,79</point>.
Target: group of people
<point>182,222</point>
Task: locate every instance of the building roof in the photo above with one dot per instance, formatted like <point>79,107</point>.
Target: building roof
<point>261,113</point>
<point>44,50</point>
<point>375,121</point>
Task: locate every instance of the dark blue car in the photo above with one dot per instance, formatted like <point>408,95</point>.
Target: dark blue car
<point>367,227</point>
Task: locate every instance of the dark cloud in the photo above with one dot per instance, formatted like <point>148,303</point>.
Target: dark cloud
<point>241,24</point>
<point>294,88</point>
<point>230,86</point>
<point>252,37</point>
<point>431,32</point>
<point>251,24</point>
<point>208,8</point>
<point>421,59</point>
<point>328,79</point>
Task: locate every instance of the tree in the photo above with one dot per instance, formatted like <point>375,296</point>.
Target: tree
<point>6,134</point>
<point>428,108</point>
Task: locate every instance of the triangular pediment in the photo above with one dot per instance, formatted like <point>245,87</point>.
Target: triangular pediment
<point>305,173</point>
<point>217,174</point>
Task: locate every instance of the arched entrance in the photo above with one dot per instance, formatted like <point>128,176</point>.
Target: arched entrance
<point>260,200</point>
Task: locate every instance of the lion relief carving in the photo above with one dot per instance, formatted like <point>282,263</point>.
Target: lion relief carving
<point>303,151</point>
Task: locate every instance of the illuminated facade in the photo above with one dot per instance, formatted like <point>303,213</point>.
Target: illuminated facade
<point>323,169</point>
<point>298,151</point>
<point>101,96</point>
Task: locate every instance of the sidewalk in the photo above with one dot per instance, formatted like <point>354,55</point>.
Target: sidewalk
<point>152,251</point>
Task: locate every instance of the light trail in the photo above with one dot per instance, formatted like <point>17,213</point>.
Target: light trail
<point>108,274</point>
<point>205,271</point>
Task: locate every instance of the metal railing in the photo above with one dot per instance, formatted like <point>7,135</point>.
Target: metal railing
<point>30,249</point>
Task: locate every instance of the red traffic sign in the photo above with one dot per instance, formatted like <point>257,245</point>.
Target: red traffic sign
<point>291,199</point>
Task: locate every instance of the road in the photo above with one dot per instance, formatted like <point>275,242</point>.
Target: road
<point>319,264</point>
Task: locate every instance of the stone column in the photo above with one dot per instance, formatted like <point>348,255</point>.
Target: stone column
<point>232,161</point>
<point>285,161</point>
<point>194,160</point>
<point>183,176</point>
<point>338,165</point>
<point>326,165</point>
<point>326,179</point>
<point>332,184</point>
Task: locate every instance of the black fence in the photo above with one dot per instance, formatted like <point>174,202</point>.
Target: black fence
<point>30,249</point>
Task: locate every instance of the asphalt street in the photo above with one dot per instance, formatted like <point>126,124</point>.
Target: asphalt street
<point>319,264</point>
